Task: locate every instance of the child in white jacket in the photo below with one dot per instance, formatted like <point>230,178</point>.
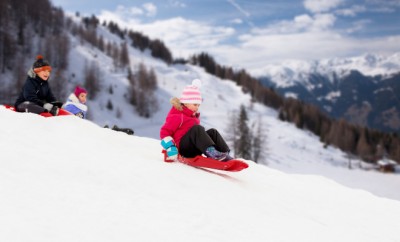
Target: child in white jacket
<point>76,103</point>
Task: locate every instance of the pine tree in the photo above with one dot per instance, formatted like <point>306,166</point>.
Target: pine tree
<point>58,85</point>
<point>124,55</point>
<point>243,144</point>
<point>259,143</point>
<point>132,93</point>
<point>364,149</point>
<point>92,79</point>
<point>109,105</point>
<point>141,91</point>
<point>232,131</point>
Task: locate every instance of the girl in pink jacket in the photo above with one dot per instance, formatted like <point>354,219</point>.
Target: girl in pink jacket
<point>182,129</point>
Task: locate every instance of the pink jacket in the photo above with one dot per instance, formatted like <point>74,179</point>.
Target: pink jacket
<point>179,121</point>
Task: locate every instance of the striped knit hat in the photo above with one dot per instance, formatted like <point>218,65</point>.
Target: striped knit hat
<point>41,65</point>
<point>191,93</point>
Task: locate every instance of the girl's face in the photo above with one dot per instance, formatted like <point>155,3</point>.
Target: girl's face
<point>193,106</point>
<point>44,75</point>
<point>82,97</point>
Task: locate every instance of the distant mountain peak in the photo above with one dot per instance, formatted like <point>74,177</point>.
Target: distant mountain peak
<point>296,71</point>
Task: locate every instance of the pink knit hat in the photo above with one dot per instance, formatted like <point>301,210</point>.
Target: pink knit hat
<point>191,93</point>
<point>79,90</point>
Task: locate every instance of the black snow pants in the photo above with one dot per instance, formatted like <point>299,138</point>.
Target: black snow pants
<point>197,140</point>
<point>30,107</point>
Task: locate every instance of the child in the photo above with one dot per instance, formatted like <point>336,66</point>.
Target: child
<point>76,103</point>
<point>36,95</point>
<point>182,129</point>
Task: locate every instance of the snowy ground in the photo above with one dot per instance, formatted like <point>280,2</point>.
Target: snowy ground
<point>288,148</point>
<point>67,179</point>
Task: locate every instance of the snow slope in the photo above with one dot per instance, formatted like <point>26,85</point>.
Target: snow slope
<point>67,179</point>
<point>288,148</point>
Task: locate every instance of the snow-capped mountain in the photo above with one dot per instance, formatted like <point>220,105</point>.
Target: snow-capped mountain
<point>362,89</point>
<point>290,73</point>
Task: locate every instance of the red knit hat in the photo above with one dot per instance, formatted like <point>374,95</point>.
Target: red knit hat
<point>191,93</point>
<point>41,65</point>
<point>79,90</point>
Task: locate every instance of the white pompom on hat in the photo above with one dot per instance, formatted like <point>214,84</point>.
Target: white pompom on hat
<point>191,93</point>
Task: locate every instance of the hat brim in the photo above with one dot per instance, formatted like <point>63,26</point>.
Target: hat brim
<point>191,101</point>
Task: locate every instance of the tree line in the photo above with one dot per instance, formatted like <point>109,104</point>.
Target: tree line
<point>248,138</point>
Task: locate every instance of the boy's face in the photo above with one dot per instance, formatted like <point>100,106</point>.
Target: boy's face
<point>44,75</point>
<point>82,97</point>
<point>193,106</point>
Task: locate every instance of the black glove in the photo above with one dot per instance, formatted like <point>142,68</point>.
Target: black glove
<point>54,111</point>
<point>57,103</point>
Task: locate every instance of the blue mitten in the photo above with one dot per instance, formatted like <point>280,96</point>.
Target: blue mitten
<point>172,153</point>
<point>169,145</point>
<point>167,142</point>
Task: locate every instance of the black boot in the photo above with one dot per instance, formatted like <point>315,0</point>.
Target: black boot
<point>125,130</point>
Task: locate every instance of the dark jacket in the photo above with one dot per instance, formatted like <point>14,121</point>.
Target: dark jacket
<point>37,91</point>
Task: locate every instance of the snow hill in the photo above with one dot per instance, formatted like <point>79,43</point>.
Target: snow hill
<point>67,179</point>
<point>288,148</point>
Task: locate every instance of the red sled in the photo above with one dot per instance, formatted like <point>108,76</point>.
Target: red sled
<point>204,162</point>
<point>61,112</point>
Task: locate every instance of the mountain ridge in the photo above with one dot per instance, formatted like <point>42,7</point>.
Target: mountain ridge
<point>289,72</point>
<point>348,88</point>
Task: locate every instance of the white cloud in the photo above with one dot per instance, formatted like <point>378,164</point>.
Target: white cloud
<point>301,23</point>
<point>175,3</point>
<point>127,12</point>
<point>318,6</point>
<point>305,37</point>
<point>352,11</point>
<point>358,25</point>
<point>256,51</point>
<point>237,21</point>
<point>183,37</point>
<point>151,9</point>
<point>386,3</point>
<point>323,21</point>
<point>308,45</point>
<point>303,20</point>
<point>148,9</point>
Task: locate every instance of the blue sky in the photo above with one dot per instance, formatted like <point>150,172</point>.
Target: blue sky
<point>253,33</point>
